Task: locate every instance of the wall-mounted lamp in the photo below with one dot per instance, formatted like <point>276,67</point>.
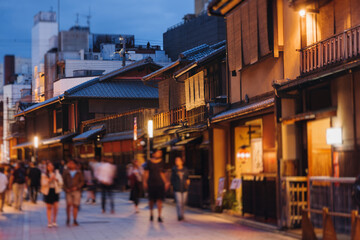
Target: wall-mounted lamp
<point>302,12</point>
<point>334,136</point>
<point>36,142</point>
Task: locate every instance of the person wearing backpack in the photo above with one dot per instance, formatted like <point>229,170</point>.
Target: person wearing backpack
<point>17,183</point>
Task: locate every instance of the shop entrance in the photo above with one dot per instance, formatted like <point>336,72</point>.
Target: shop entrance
<point>255,165</point>
<point>319,152</point>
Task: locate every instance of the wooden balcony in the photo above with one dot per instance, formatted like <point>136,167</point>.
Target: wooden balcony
<point>172,117</point>
<point>335,50</point>
<point>197,115</point>
<point>180,115</point>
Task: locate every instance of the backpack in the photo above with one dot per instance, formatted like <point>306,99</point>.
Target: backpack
<point>20,178</point>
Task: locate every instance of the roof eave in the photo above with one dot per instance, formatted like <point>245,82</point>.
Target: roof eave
<point>161,71</point>
<point>23,113</point>
<point>222,7</point>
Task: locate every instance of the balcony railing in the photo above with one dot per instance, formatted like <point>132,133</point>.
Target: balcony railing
<point>336,49</point>
<point>196,115</point>
<point>172,117</point>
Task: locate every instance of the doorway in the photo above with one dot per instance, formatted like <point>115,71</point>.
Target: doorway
<point>319,152</point>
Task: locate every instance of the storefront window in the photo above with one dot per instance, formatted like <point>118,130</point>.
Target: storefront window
<point>248,147</point>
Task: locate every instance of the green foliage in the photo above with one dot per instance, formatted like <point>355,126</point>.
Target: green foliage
<point>229,200</point>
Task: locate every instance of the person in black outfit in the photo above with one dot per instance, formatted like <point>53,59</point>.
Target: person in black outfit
<point>155,182</point>
<point>34,177</point>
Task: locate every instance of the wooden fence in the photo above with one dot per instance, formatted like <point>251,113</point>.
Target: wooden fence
<point>294,194</point>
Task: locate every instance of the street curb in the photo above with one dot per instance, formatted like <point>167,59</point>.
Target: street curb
<point>239,220</point>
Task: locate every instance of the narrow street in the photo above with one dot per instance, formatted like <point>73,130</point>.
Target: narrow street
<point>31,224</point>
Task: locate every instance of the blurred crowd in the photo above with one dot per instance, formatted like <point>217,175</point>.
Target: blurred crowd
<point>24,181</point>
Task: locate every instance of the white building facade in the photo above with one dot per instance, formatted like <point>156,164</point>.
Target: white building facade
<point>45,27</point>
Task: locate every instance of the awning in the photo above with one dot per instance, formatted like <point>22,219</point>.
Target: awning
<point>57,139</point>
<point>166,144</point>
<point>186,141</point>
<point>23,145</point>
<point>111,137</point>
<point>330,112</point>
<point>237,112</point>
<point>88,134</point>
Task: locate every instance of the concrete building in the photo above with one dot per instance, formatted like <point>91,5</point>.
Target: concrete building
<point>16,87</point>
<point>43,30</point>
<point>196,29</point>
<point>12,95</point>
<point>82,56</point>
<point>1,76</point>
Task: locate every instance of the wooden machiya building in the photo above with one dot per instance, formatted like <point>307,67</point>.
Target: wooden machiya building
<point>294,146</point>
<point>120,137</point>
<point>57,122</point>
<point>244,140</point>
<point>190,90</point>
<point>318,108</point>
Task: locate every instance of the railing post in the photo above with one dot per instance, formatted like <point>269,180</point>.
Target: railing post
<point>345,50</point>
<point>355,225</point>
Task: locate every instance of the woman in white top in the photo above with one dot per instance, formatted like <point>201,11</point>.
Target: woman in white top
<point>51,185</point>
<point>135,175</point>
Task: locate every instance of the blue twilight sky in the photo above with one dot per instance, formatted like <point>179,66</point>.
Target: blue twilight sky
<point>146,19</point>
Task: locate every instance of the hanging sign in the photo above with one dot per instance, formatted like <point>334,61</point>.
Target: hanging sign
<point>135,129</point>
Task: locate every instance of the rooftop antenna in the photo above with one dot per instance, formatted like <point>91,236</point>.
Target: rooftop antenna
<point>77,20</point>
<point>88,17</point>
<point>58,16</point>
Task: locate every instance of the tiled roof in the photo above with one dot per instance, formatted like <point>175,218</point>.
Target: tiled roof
<point>240,111</point>
<point>208,57</point>
<point>89,134</point>
<point>112,89</point>
<point>104,87</point>
<point>191,55</point>
<point>130,67</point>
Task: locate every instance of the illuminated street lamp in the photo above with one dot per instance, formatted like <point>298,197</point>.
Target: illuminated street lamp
<point>36,146</point>
<point>150,131</point>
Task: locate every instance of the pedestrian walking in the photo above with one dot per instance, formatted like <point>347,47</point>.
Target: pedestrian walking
<point>3,186</point>
<point>9,196</point>
<point>135,175</point>
<point>90,184</point>
<point>34,177</point>
<point>180,182</point>
<point>51,185</point>
<point>156,183</point>
<point>106,172</point>
<point>73,182</point>
<point>17,183</point>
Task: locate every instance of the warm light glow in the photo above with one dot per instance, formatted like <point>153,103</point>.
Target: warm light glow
<point>302,12</point>
<point>333,136</point>
<point>36,142</point>
<point>150,129</point>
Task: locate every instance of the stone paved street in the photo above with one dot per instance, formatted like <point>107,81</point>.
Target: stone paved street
<point>124,224</point>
